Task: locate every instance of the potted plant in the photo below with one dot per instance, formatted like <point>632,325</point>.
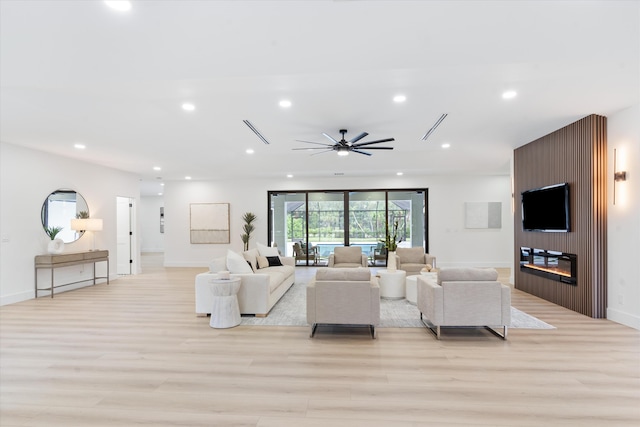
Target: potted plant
<point>391,244</point>
<point>248,228</point>
<point>55,246</point>
<point>52,232</point>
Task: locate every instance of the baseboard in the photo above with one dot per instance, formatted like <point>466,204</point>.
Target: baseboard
<point>623,318</point>
<point>17,297</point>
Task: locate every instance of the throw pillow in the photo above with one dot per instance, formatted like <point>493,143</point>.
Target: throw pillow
<point>274,261</point>
<point>237,264</point>
<point>251,256</point>
<point>265,250</point>
<point>218,264</point>
<point>263,262</point>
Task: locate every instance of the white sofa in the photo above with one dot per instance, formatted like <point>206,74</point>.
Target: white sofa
<point>259,290</point>
<point>464,297</point>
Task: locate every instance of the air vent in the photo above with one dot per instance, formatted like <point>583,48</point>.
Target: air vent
<point>435,125</point>
<point>253,128</point>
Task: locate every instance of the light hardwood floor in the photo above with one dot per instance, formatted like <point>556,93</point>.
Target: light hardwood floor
<point>134,353</point>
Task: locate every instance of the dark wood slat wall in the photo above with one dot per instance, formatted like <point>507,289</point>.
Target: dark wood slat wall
<point>576,154</point>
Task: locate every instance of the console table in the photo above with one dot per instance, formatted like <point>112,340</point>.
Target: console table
<point>54,261</point>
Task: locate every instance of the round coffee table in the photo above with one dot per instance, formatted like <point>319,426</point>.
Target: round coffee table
<point>392,283</point>
<point>411,290</point>
<point>225,312</point>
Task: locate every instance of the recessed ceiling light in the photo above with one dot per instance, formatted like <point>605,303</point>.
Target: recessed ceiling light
<point>162,184</point>
<point>399,173</point>
<point>249,151</point>
<point>188,107</point>
<point>159,194</point>
<point>119,5</point>
<point>399,98</point>
<point>79,146</point>
<point>289,176</point>
<point>187,177</point>
<point>509,94</point>
<point>446,145</point>
<point>157,168</point>
<point>285,103</point>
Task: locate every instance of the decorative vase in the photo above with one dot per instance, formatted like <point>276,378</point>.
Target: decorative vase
<point>55,246</point>
<point>391,261</point>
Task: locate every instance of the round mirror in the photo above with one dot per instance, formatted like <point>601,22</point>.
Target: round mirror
<point>60,208</point>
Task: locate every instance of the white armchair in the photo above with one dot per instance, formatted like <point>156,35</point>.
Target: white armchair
<point>464,297</point>
<point>412,260</point>
<point>347,257</point>
<point>343,296</point>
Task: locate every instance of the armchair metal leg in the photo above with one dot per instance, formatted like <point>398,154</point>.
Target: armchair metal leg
<point>374,332</point>
<point>313,330</point>
<point>498,334</point>
<point>430,326</point>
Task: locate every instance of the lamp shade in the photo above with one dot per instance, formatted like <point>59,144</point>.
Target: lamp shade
<point>86,224</point>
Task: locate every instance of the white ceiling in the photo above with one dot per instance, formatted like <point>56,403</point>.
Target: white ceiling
<point>78,72</point>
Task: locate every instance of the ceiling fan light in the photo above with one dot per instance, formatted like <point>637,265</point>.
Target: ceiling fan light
<point>343,151</point>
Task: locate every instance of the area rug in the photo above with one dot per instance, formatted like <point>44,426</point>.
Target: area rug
<point>291,311</point>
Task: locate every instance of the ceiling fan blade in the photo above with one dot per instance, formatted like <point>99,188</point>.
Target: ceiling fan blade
<point>372,148</point>
<point>317,143</point>
<point>361,152</point>
<point>374,142</point>
<point>331,138</point>
<point>358,138</point>
<point>325,151</point>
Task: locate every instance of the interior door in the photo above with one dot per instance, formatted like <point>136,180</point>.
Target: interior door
<point>124,234</point>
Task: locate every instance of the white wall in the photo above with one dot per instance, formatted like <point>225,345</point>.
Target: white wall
<point>624,219</point>
<point>449,241</point>
<point>27,177</point>
<point>152,240</point>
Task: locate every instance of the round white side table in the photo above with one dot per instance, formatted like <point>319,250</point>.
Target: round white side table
<point>392,283</point>
<point>225,312</point>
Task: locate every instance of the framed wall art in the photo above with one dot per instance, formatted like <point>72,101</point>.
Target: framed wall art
<point>209,223</point>
<point>483,215</point>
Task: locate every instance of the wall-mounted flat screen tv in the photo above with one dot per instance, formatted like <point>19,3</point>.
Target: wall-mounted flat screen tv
<point>546,209</point>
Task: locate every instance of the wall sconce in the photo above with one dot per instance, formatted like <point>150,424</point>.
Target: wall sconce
<point>87,224</point>
<point>620,176</point>
<point>617,175</point>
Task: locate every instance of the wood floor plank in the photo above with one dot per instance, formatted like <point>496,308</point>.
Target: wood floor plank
<point>133,352</point>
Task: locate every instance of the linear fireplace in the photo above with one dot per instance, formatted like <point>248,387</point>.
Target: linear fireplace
<point>553,265</point>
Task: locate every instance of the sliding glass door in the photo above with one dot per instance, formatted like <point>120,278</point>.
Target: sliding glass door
<point>309,225</point>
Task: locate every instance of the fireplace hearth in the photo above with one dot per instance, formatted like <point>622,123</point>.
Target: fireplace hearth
<point>552,265</point>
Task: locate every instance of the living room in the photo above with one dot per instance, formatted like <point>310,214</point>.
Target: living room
<point>32,166</point>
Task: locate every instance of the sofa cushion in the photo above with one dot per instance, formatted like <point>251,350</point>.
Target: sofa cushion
<point>265,250</point>
<point>347,254</point>
<point>218,264</point>
<point>275,279</point>
<point>350,274</point>
<point>411,255</point>
<point>251,255</point>
<point>465,274</point>
<point>237,264</point>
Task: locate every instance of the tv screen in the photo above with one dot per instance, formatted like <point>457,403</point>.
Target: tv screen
<point>546,209</point>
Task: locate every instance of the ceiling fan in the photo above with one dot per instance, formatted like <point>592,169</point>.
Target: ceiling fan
<point>344,147</point>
